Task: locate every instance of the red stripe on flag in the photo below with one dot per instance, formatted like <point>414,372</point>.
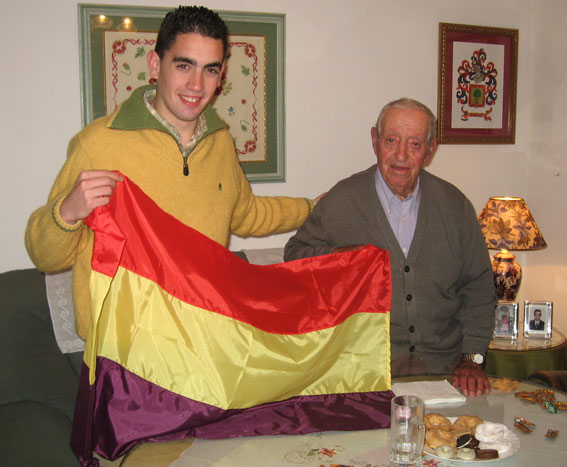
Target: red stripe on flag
<point>289,298</point>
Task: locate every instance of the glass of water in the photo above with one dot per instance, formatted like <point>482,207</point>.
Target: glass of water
<point>407,432</point>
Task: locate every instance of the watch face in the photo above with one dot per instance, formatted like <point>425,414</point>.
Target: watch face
<point>478,358</point>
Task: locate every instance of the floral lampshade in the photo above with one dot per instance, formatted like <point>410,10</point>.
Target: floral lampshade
<point>507,224</point>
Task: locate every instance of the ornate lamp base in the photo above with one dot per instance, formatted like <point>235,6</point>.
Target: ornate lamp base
<point>507,275</point>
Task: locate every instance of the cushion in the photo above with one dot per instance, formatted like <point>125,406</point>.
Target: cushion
<point>33,368</point>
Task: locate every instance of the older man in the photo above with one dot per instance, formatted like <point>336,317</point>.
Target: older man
<point>443,291</point>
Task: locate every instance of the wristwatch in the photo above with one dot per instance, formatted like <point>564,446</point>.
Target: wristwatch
<point>474,357</point>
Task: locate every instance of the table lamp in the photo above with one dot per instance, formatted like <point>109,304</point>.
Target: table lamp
<point>507,224</point>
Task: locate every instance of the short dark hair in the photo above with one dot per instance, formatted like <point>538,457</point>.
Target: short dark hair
<point>188,19</point>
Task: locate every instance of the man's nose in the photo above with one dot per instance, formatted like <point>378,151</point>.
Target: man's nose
<point>195,81</point>
<point>402,153</point>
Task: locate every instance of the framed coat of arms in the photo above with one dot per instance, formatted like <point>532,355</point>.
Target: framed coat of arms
<point>478,69</point>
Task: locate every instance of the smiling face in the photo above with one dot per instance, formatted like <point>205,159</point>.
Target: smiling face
<point>187,78</point>
<point>402,148</point>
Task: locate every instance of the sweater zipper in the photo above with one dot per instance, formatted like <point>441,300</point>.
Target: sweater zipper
<point>185,165</point>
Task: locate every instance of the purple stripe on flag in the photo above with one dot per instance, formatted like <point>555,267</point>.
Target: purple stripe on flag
<point>129,409</point>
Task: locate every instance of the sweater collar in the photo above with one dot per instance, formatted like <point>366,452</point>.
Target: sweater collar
<point>134,115</point>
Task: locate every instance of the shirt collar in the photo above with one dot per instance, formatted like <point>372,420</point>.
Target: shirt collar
<point>389,195</point>
<point>201,127</point>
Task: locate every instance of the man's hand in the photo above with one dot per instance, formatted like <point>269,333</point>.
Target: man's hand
<point>92,189</point>
<point>471,378</point>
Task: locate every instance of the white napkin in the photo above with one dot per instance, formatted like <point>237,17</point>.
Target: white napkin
<point>432,392</point>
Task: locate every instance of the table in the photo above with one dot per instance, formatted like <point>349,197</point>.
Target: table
<point>369,448</point>
<point>519,358</point>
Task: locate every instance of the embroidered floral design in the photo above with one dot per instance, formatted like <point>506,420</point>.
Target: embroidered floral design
<point>127,70</point>
<point>119,47</point>
<point>310,454</point>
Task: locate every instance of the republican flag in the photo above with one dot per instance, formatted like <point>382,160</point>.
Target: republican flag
<point>188,340</point>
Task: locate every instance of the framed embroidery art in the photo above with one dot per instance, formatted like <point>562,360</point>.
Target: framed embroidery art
<point>478,68</point>
<point>115,40</point>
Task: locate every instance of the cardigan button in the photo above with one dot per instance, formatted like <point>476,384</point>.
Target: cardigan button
<point>412,348</point>
<point>408,297</point>
<point>406,269</point>
<point>412,328</point>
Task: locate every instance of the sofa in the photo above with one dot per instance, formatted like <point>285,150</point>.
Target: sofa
<point>38,383</point>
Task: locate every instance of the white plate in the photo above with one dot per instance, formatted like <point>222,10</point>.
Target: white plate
<point>510,436</point>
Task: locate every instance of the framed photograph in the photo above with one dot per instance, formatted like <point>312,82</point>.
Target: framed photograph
<point>506,320</point>
<point>538,318</point>
<point>478,69</point>
<point>115,40</point>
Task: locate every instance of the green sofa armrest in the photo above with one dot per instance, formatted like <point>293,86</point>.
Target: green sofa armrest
<point>38,383</point>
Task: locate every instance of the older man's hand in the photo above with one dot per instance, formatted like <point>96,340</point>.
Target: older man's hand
<point>471,379</point>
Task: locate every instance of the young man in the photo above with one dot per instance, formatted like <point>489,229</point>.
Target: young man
<point>443,293</point>
<point>171,143</point>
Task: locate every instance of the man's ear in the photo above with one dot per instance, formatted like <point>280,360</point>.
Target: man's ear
<point>374,135</point>
<point>222,70</point>
<point>153,64</point>
<point>432,149</point>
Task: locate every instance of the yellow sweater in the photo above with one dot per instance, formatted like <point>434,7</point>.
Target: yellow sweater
<point>215,198</point>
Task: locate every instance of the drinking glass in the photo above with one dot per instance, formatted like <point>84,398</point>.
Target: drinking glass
<point>407,431</point>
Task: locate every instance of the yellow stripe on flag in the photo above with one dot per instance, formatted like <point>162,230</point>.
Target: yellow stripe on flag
<point>185,349</point>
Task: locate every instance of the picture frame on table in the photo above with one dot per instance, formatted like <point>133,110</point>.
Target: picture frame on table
<point>505,320</point>
<point>114,42</point>
<point>477,84</point>
<point>538,319</point>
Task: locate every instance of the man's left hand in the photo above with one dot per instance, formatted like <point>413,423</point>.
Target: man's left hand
<point>471,379</point>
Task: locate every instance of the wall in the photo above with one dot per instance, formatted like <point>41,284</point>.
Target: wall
<point>344,60</point>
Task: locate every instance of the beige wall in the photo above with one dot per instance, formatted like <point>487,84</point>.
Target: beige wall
<point>345,59</point>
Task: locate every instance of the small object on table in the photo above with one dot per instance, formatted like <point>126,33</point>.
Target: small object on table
<point>550,406</point>
<point>445,451</point>
<point>530,397</point>
<point>486,454</point>
<point>523,421</point>
<point>466,454</point>
<point>489,432</point>
<point>467,440</point>
<point>523,428</point>
<point>545,397</point>
<point>523,425</point>
<point>552,433</point>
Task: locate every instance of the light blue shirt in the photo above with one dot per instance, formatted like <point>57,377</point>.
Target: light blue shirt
<point>402,215</point>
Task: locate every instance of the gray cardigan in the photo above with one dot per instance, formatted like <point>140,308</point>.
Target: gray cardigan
<point>443,293</point>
